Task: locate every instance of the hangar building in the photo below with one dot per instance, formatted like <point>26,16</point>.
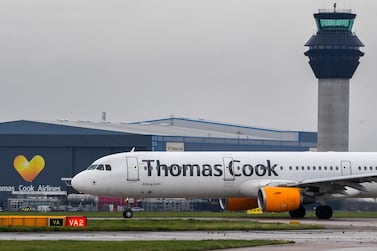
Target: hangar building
<point>36,155</point>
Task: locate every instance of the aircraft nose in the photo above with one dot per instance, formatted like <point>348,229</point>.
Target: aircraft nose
<point>78,181</point>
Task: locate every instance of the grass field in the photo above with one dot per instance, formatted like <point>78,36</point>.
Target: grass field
<point>168,225</point>
<point>285,215</point>
<point>182,221</point>
<point>163,221</point>
<point>133,245</point>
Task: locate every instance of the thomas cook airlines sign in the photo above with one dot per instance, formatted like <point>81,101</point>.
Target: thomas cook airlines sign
<point>29,170</point>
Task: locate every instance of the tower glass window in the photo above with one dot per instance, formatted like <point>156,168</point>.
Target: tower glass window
<point>335,24</point>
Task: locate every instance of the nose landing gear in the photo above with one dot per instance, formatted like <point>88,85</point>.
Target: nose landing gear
<point>127,213</point>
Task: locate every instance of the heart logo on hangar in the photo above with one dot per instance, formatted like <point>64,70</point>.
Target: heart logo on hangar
<point>29,170</point>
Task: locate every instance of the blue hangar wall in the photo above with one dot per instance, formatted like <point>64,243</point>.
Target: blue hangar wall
<point>306,142</point>
<point>34,156</point>
<point>215,136</point>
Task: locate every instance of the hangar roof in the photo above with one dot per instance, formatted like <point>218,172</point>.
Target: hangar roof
<point>25,127</point>
<point>172,126</point>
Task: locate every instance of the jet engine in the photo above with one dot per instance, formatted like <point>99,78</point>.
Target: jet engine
<point>238,204</point>
<point>279,199</point>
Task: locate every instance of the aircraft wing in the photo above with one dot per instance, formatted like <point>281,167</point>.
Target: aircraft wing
<point>356,179</point>
<point>329,186</point>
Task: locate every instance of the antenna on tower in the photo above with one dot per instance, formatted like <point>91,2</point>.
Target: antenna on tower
<point>104,117</point>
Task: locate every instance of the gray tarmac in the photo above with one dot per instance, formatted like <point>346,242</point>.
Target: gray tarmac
<point>339,235</point>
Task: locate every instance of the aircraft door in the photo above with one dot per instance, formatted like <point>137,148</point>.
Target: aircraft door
<point>228,169</point>
<point>346,167</point>
<point>132,169</point>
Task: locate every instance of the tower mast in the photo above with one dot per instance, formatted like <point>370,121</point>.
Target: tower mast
<point>334,53</point>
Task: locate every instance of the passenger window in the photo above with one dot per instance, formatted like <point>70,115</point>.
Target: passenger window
<point>108,168</point>
<point>100,167</point>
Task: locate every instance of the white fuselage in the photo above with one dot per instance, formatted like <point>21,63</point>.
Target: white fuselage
<point>222,174</point>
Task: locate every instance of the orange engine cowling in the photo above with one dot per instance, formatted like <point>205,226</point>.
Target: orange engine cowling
<point>238,204</point>
<point>279,199</point>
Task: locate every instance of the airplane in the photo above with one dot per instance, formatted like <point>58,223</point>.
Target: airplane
<point>272,181</point>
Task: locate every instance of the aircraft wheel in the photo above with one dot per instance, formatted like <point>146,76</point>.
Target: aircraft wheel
<point>128,213</point>
<point>298,213</point>
<point>324,212</point>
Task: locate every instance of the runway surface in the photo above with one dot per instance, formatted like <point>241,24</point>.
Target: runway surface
<point>339,235</point>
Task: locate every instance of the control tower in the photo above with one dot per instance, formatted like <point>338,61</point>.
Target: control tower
<point>333,56</point>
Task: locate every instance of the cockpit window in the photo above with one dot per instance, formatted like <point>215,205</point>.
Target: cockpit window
<point>100,167</point>
<point>108,167</point>
<point>91,167</point>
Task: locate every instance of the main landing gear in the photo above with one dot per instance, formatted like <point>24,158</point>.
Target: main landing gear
<point>322,212</point>
<point>298,213</point>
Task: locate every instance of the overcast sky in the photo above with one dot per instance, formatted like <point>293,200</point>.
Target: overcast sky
<point>232,61</point>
